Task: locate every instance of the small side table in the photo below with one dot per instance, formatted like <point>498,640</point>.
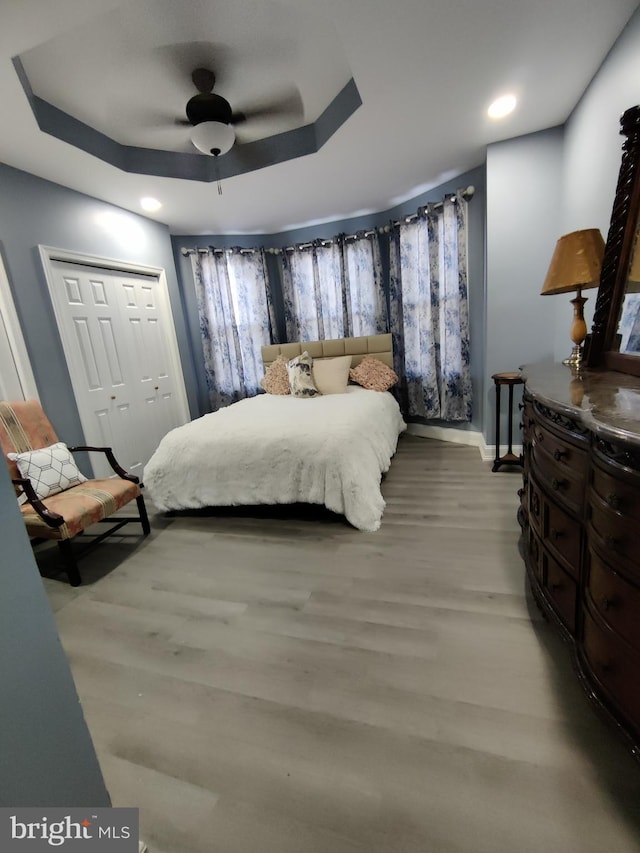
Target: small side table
<point>509,458</point>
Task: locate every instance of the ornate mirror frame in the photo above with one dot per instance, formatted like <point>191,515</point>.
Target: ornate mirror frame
<point>602,350</point>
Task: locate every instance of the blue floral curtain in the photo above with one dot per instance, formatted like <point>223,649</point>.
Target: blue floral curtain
<point>334,288</point>
<point>365,299</point>
<point>429,311</point>
<point>236,319</point>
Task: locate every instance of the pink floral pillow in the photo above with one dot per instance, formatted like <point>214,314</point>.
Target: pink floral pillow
<point>373,374</point>
<point>276,378</point>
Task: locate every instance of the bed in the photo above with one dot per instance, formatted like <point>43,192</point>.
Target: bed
<point>331,449</point>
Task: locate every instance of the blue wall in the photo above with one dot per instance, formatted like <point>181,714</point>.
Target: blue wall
<point>48,757</point>
<point>476,232</point>
<point>35,212</point>
<point>523,224</point>
<point>540,187</point>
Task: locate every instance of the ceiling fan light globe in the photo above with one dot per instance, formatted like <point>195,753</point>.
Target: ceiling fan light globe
<point>213,137</point>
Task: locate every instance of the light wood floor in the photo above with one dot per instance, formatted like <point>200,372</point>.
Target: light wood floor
<point>273,685</point>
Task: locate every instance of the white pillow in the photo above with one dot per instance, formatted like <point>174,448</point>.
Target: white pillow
<point>50,469</point>
<point>331,375</point>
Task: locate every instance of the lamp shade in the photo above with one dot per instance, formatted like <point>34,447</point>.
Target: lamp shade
<point>213,137</point>
<point>576,262</point>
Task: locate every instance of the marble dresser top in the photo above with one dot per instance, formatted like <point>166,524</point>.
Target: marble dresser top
<point>606,402</point>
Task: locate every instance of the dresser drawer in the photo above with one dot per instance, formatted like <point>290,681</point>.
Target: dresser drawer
<point>614,665</point>
<point>562,589</point>
<point>617,600</point>
<point>620,495</point>
<point>565,485</point>
<point>563,535</point>
<point>563,452</point>
<point>528,419</point>
<point>535,505</point>
<point>619,534</point>
<point>535,554</point>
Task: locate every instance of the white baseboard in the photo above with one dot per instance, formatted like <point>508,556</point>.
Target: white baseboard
<point>461,436</point>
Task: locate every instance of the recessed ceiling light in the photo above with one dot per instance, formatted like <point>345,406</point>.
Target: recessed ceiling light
<point>501,107</point>
<point>150,204</point>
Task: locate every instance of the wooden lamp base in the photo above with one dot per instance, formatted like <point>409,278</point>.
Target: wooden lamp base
<point>578,331</point>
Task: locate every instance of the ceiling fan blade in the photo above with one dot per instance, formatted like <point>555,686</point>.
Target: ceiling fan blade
<point>288,104</point>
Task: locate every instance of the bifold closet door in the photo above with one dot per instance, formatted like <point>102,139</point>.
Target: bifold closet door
<point>114,331</point>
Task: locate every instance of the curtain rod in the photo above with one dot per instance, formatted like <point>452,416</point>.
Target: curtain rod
<point>466,194</point>
<point>200,250</point>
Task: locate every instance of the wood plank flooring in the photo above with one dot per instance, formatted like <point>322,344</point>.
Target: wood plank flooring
<point>262,684</point>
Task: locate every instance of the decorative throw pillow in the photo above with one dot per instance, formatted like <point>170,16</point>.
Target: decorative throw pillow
<point>373,374</point>
<point>50,469</point>
<point>331,375</point>
<point>276,378</point>
<point>300,376</point>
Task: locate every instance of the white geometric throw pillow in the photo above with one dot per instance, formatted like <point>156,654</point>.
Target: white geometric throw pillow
<point>300,376</point>
<point>50,469</point>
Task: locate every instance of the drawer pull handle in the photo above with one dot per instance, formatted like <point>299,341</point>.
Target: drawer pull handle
<point>539,436</point>
<point>555,534</point>
<point>608,603</point>
<point>530,422</point>
<point>614,501</point>
<point>557,585</point>
<point>558,454</point>
<point>556,485</point>
<point>535,504</point>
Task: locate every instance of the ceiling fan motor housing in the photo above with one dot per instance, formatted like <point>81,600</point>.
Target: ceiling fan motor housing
<point>208,107</point>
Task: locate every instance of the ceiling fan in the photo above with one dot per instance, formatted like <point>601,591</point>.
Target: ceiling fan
<point>213,119</point>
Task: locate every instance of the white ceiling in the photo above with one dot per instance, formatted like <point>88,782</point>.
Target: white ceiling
<point>425,69</point>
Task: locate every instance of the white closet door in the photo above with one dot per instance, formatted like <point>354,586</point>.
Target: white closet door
<point>10,385</point>
<point>16,377</point>
<point>142,314</point>
<point>113,325</point>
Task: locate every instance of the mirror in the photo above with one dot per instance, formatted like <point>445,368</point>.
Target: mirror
<point>614,342</point>
<point>627,335</point>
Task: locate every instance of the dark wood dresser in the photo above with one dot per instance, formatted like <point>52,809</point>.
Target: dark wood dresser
<point>580,515</point>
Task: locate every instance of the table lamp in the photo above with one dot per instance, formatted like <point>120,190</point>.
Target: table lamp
<point>575,265</point>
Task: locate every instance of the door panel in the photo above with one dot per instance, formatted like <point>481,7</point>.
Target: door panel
<point>114,327</point>
<point>16,376</point>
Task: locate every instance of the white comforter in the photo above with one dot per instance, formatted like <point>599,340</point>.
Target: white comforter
<point>269,449</point>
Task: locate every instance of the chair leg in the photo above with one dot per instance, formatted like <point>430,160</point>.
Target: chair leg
<point>73,572</point>
<point>144,518</point>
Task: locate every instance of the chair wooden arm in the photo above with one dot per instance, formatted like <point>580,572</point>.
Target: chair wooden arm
<point>111,459</point>
<point>49,517</point>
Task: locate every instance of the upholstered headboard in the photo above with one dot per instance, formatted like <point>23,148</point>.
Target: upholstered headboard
<point>378,345</point>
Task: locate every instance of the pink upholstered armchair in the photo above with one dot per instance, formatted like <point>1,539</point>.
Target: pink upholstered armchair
<point>58,502</point>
